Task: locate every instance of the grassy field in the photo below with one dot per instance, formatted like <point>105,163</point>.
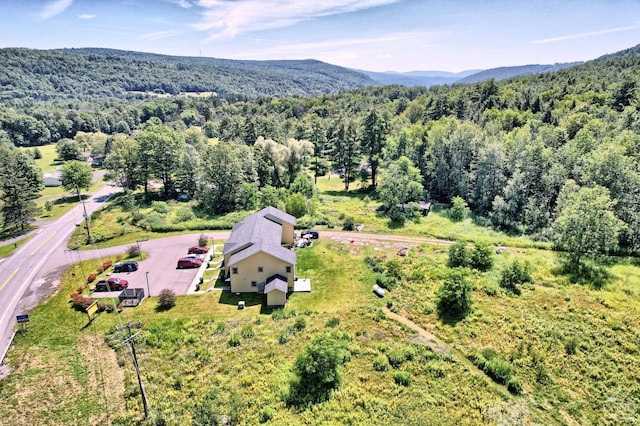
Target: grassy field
<point>574,350</point>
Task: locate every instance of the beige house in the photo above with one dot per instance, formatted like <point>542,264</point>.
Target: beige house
<point>258,257</point>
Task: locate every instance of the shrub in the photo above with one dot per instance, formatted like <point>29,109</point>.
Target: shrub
<point>79,302</point>
<point>265,415</point>
<point>91,278</point>
<point>570,345</point>
<point>79,290</point>
<point>458,209</point>
<point>317,368</point>
<point>380,363</point>
<point>283,337</point>
<point>100,269</point>
<point>454,296</point>
<point>299,324</point>
<point>247,331</point>
<point>332,322</point>
<point>514,274</point>
<point>514,386</point>
<point>133,251</point>
<point>458,256</point>
<point>166,299</point>
<point>386,281</point>
<point>234,340</point>
<point>184,214</point>
<point>203,240</point>
<point>402,378</point>
<point>349,224</point>
<point>481,257</point>
<point>160,207</point>
<point>106,264</point>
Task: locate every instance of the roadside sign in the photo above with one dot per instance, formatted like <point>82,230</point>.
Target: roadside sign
<point>22,318</point>
<point>92,309</point>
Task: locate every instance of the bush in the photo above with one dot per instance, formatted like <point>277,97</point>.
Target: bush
<point>91,278</point>
<point>247,331</point>
<point>458,256</point>
<point>481,257</point>
<point>283,337</point>
<point>203,240</point>
<point>265,415</point>
<point>386,281</point>
<point>317,368</point>
<point>133,251</point>
<point>234,340</point>
<point>402,378</point>
<point>454,296</point>
<point>299,324</point>
<point>106,265</point>
<point>79,302</point>
<point>515,274</point>
<point>349,224</point>
<point>380,363</point>
<point>332,322</point>
<point>166,299</point>
<point>458,209</point>
<point>100,269</point>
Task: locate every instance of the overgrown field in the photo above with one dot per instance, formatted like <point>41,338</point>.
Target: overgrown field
<point>572,348</point>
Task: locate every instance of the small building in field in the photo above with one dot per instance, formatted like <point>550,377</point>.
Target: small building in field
<point>258,256</point>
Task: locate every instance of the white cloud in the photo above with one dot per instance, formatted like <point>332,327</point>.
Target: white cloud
<point>86,16</point>
<point>303,49</point>
<point>228,18</point>
<point>584,35</point>
<point>185,4</point>
<point>54,8</point>
<point>160,35</point>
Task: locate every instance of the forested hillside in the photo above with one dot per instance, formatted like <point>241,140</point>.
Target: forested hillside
<point>516,151</point>
<point>101,73</point>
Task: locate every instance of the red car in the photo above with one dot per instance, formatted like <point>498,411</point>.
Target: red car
<point>189,262</point>
<point>112,284</point>
<point>198,250</point>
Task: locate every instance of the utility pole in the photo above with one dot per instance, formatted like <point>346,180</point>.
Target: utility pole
<point>86,217</point>
<point>130,340</point>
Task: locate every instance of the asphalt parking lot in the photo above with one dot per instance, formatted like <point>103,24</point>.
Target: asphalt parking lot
<point>160,267</point>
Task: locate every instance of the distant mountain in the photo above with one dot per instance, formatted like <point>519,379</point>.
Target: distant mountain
<point>97,73</point>
<point>503,73</point>
<point>417,78</point>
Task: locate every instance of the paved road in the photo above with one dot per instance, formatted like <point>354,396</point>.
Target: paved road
<point>20,272</point>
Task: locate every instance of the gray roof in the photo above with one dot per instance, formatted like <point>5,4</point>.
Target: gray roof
<point>260,232</point>
<point>276,284</point>
<point>276,215</point>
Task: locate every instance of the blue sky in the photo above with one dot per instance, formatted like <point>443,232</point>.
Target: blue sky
<point>375,35</point>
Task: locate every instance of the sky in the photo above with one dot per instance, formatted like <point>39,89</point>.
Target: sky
<point>372,35</point>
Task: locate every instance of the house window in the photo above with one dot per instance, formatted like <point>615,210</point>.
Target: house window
<point>260,269</point>
<point>234,270</point>
<point>288,269</point>
<point>254,283</point>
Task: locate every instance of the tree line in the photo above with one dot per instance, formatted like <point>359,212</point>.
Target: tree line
<point>512,150</point>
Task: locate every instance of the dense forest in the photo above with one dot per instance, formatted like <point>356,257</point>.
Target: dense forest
<point>106,73</point>
<point>518,152</point>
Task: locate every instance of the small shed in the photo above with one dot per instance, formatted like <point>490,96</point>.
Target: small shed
<point>276,290</point>
<point>131,296</point>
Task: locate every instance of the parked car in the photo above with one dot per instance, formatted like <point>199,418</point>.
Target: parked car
<point>112,284</point>
<point>198,250</point>
<point>202,257</point>
<point>128,266</point>
<point>314,234</point>
<point>188,262</point>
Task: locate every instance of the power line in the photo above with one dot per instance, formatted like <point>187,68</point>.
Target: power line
<point>131,341</point>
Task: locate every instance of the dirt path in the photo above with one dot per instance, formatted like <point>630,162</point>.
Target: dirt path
<point>430,338</point>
